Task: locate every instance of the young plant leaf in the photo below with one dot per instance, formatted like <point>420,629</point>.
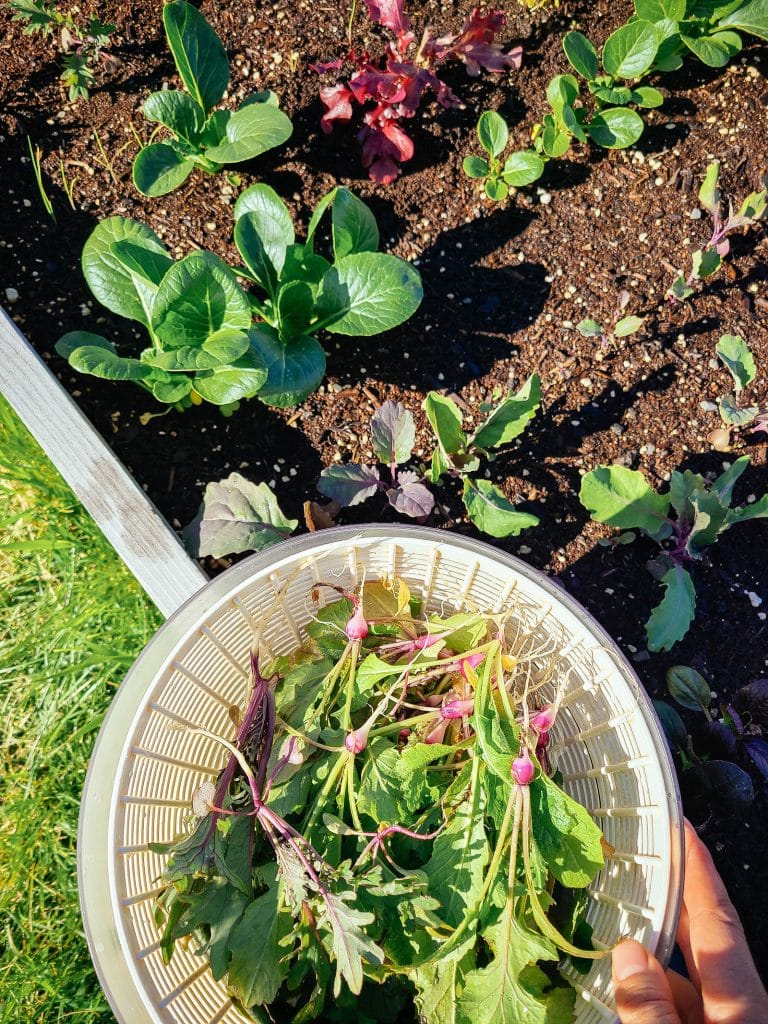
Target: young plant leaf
<point>105,363</point>
<point>350,943</point>
<point>734,414</point>
<point>445,419</point>
<point>750,17</point>
<point>590,329</point>
<point>622,497</point>
<point>581,54</point>
<point>67,343</point>
<point>459,855</point>
<point>628,325</point>
<point>616,128</point>
<point>224,385</point>
<point>671,619</point>
<point>367,293</point>
<point>713,50</point>
<point>491,512</point>
<point>353,226</point>
<point>522,168</point>
<point>708,521</point>
<point>199,54</point>
<point>493,133</point>
<point>115,285</point>
<point>629,52</point>
<point>294,370</point>
<point>256,969</point>
<point>566,835</point>
<point>270,220</point>
<point>672,724</point>
<point>159,169</point>
<point>738,359</point>
<point>349,485</point>
<point>689,688</point>
<point>496,189</point>
<point>176,110</point>
<point>198,296</point>
<point>725,483</point>
<point>660,10</point>
<point>411,497</point>
<point>645,96</point>
<point>705,262</point>
<point>475,167</point>
<point>235,516</point>
<point>757,510</point>
<point>251,131</point>
<point>393,433</point>
<point>709,193</point>
<point>510,417</point>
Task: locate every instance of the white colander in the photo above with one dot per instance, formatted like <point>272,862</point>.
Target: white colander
<point>607,742</point>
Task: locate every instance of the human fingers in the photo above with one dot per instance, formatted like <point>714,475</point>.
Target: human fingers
<point>686,999</point>
<point>641,988</point>
<point>714,945</point>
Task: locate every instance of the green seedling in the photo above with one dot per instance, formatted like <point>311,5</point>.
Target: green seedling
<point>623,326</point>
<point>737,358</point>
<point>684,521</point>
<point>519,169</point>
<point>201,135</point>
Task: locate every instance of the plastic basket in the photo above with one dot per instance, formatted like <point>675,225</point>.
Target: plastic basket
<point>607,742</point>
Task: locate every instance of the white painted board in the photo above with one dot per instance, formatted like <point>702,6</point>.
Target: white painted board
<point>123,512</point>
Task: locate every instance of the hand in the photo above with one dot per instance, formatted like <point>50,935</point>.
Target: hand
<point>724,986</point>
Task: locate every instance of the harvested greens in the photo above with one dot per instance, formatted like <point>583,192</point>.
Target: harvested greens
<point>387,841</point>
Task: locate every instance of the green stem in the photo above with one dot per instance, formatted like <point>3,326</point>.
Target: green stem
<point>328,686</point>
<point>322,796</point>
<point>350,781</point>
<point>405,723</point>
<point>347,718</point>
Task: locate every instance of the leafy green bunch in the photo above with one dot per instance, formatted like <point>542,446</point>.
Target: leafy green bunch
<point>213,341</point>
<point>707,261</point>
<point>457,455</point>
<point>201,135</point>
<point>684,521</point>
<point>82,43</point>
<point>388,830</point>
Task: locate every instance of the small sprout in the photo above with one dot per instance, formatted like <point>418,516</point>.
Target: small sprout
<point>523,768</point>
<point>519,169</point>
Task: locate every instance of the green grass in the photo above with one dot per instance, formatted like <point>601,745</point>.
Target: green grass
<point>72,619</point>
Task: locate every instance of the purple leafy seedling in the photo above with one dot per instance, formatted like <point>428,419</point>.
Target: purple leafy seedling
<point>707,261</point>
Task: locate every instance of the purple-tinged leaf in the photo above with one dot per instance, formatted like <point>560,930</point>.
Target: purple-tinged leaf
<point>237,515</point>
<point>672,724</point>
<point>393,433</point>
<point>760,423</point>
<point>758,751</point>
<point>411,497</point>
<point>349,485</point>
<point>390,14</point>
<point>751,702</point>
<point>732,717</point>
<point>715,740</point>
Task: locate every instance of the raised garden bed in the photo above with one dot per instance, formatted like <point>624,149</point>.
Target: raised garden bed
<point>504,288</point>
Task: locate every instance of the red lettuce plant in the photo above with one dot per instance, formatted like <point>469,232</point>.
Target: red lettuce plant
<point>391,86</point>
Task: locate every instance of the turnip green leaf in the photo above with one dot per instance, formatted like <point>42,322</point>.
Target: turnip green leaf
<point>198,52</point>
<point>353,226</point>
<point>510,417</point>
<point>616,128</point>
<point>393,433</point>
<point>622,497</point>
<point>671,619</point>
<point>738,359</point>
<point>688,687</point>
<point>349,485</point>
<point>491,511</point>
<point>107,276</point>
<point>367,293</point>
<point>159,169</point>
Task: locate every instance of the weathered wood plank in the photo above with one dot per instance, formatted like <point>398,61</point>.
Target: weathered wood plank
<point>124,513</point>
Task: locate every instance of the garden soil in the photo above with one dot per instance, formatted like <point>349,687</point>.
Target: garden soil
<point>504,288</point>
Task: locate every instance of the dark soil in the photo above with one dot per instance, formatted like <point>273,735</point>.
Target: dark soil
<point>504,287</point>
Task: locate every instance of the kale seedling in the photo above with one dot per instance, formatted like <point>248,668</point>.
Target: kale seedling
<point>623,326</point>
<point>236,516</point>
<point>83,44</point>
<point>723,745</point>
<point>622,497</point>
<point>739,361</point>
<point>202,136</point>
<point>391,87</point>
<point>457,455</point>
<point>707,261</point>
<point>519,169</point>
<point>213,341</point>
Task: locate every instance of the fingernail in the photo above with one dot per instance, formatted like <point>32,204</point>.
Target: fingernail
<point>629,958</point>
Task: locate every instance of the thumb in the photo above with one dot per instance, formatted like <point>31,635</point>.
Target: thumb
<point>643,995</point>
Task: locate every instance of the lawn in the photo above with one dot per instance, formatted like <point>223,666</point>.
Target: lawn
<point>73,619</point>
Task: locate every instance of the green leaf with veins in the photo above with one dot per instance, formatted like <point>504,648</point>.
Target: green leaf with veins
<point>218,907</point>
<point>350,944</point>
<point>118,286</point>
<point>446,421</point>
<point>522,168</point>
<point>353,226</point>
<point>251,131</point>
<point>738,359</point>
<point>708,521</point>
<point>567,837</point>
<point>615,127</point>
<point>492,512</point>
<point>176,110</point>
<point>510,417</point>
<point>705,262</point>
<point>270,219</point>
<point>630,50</point>
<point>294,370</point>
<point>622,497</point>
<point>713,50</point>
<point>493,133</point>
<point>734,414</point>
<point>497,994</point>
<point>198,52</point>
<point>159,169</point>
<point>581,54</point>
<point>671,619</point>
<point>757,510</point>
<point>257,968</point>
<point>459,856</point>
<point>380,794</point>
<point>682,486</point>
<point>367,293</point>
<point>724,484</point>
